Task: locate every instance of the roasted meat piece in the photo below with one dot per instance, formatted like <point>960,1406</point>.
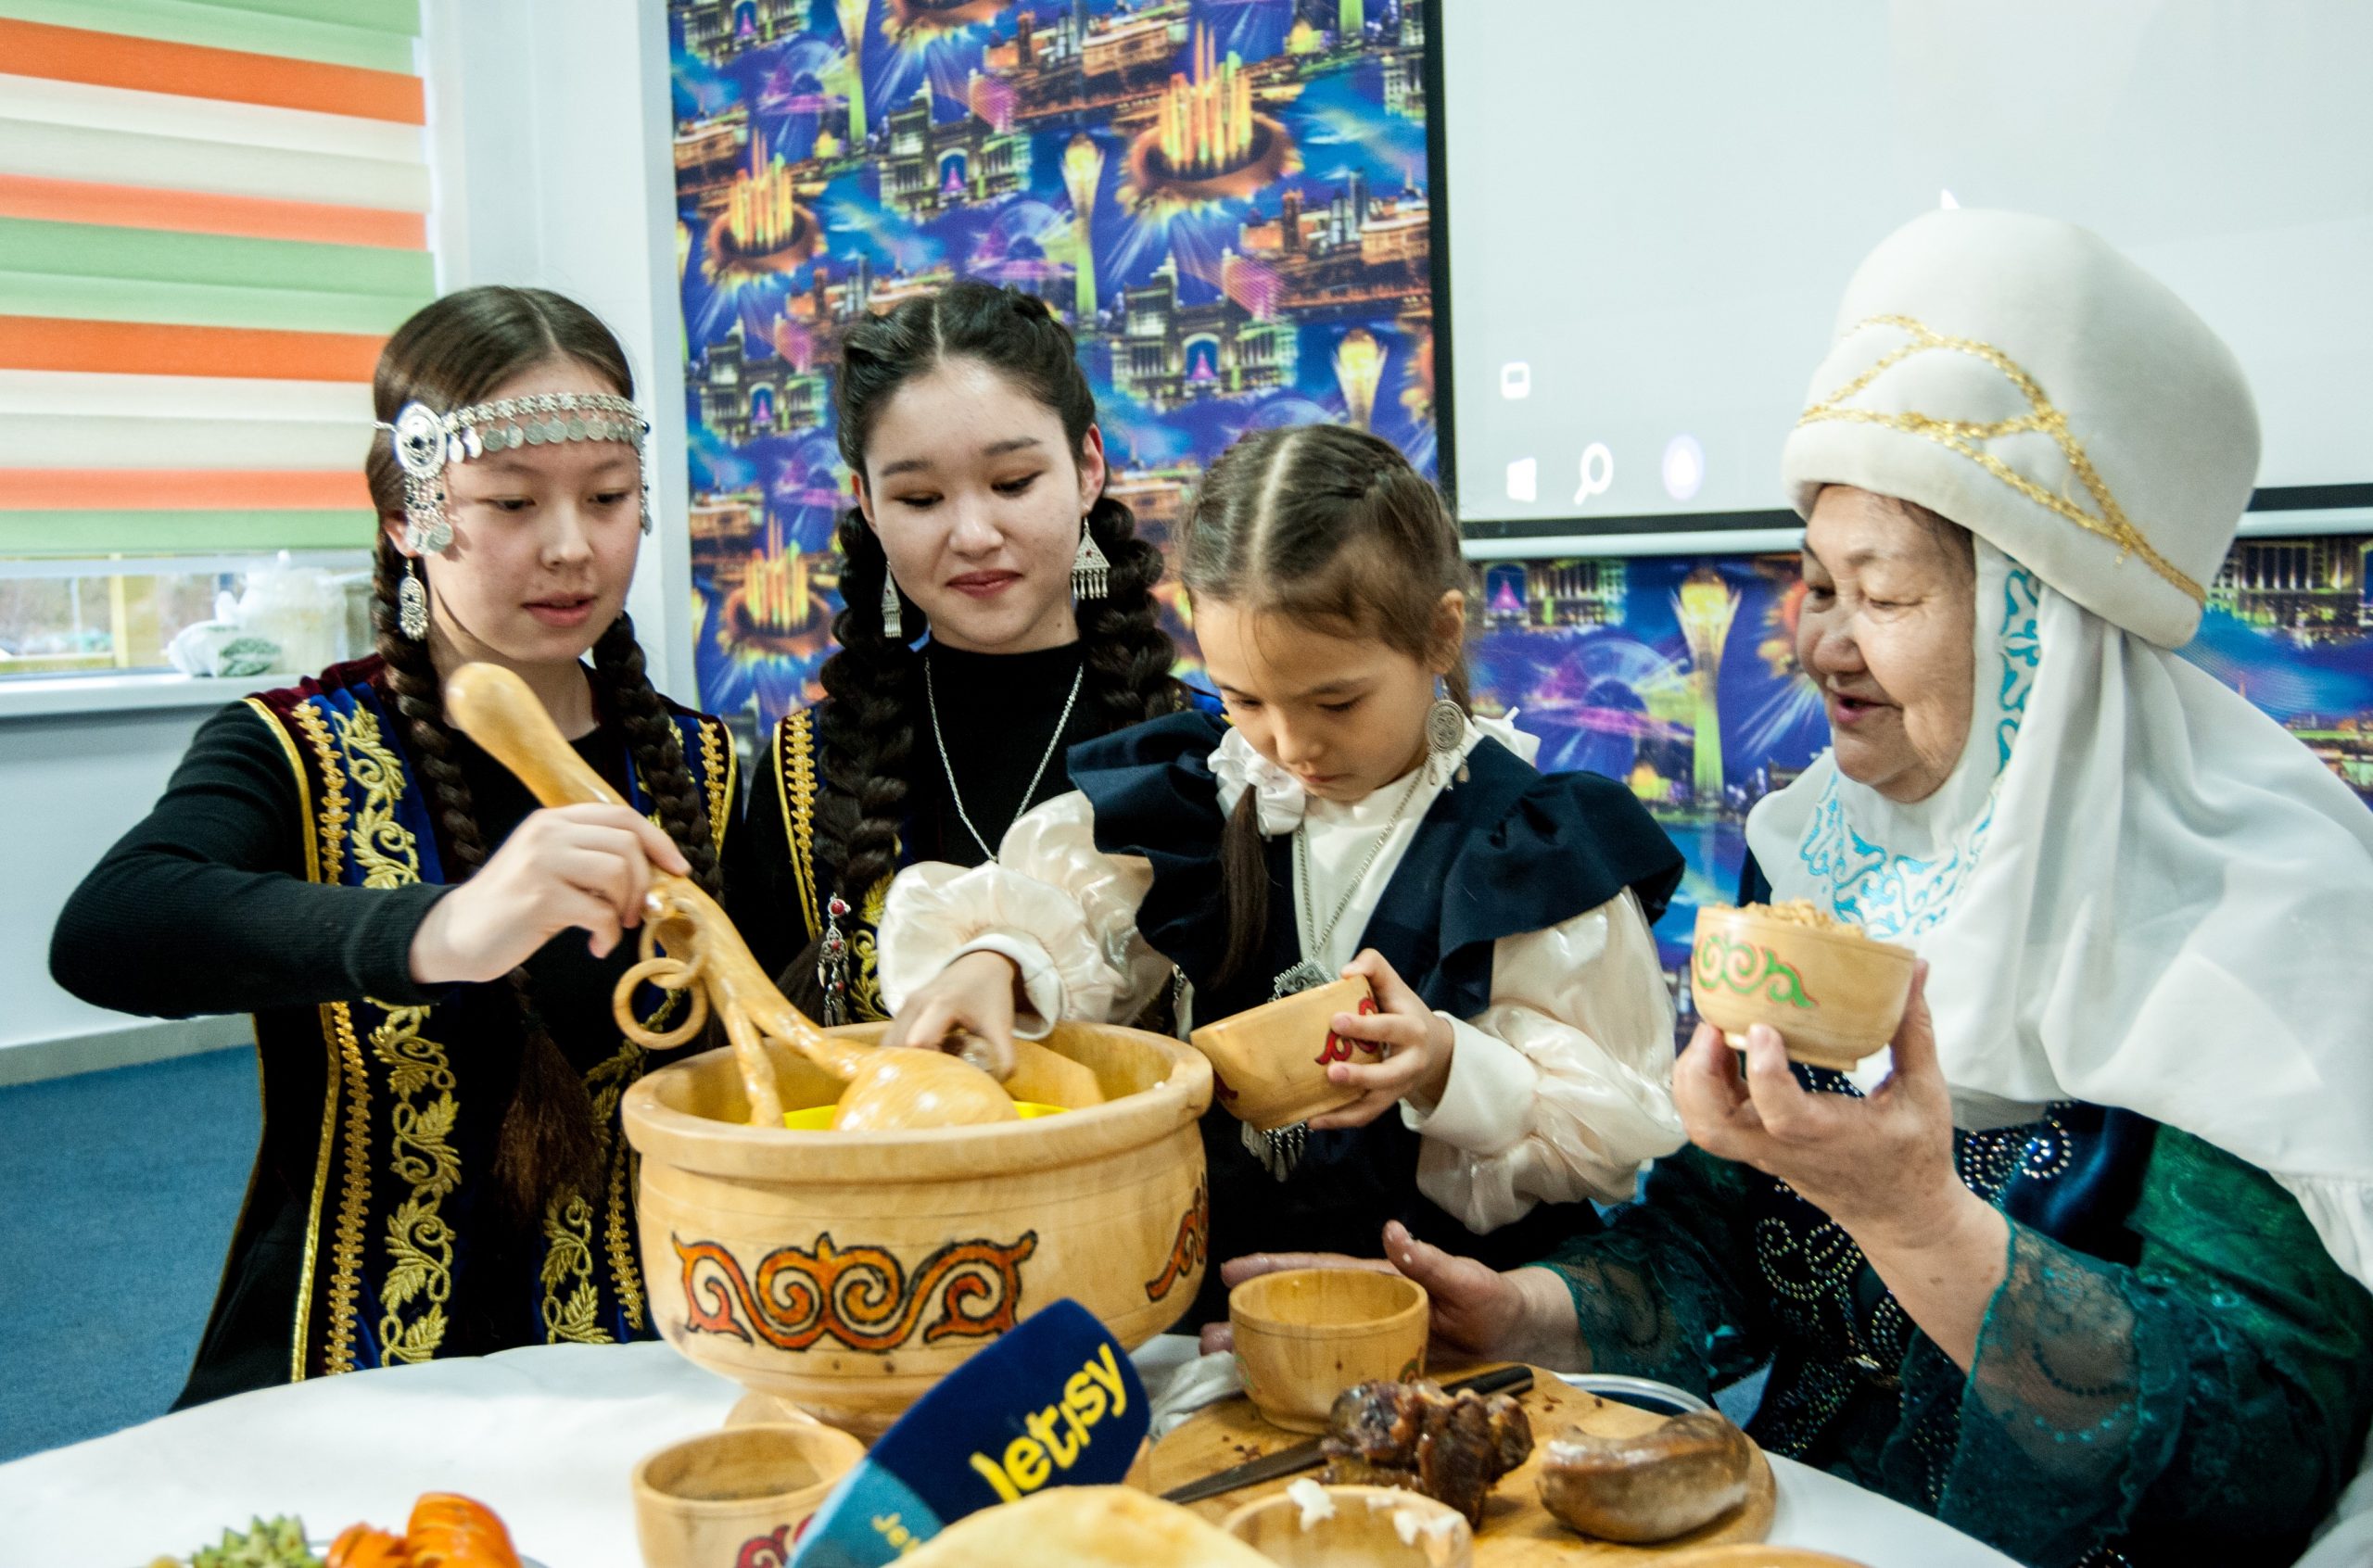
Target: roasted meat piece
<point>1451,1448</point>
<point>1665,1481</point>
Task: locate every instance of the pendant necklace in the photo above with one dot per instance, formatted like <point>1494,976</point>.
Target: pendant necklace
<point>931,699</point>
<point>1308,973</point>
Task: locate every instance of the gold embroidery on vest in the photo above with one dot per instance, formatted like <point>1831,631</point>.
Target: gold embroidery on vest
<point>796,788</point>
<point>1965,436</point>
<point>345,1063</point>
<point>568,1254</point>
<point>383,846</point>
<point>420,1243</point>
<point>718,771</point>
<point>865,985</point>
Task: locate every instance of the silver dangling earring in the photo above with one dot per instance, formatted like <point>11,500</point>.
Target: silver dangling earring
<point>1445,727</point>
<point>1091,574</point>
<point>412,601</point>
<point>892,624</point>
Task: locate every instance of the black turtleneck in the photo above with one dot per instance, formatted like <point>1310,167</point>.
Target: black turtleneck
<point>998,711</point>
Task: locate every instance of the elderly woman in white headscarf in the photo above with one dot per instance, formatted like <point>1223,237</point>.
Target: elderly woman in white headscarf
<point>2086,1272</point>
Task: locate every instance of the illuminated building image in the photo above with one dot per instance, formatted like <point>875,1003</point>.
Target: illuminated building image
<point>1083,172</point>
<point>1705,606</point>
<point>851,77</point>
<point>2314,589</point>
<point>710,153</point>
<point>718,30</point>
<point>1169,353</point>
<point>1359,365</point>
<point>743,396</point>
<point>936,166</point>
<point>1547,595</point>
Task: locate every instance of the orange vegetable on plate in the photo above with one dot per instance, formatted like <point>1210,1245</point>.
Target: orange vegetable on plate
<point>447,1530</point>
<point>360,1545</point>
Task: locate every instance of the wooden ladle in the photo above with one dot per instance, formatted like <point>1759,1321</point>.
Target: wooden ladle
<point>689,942</point>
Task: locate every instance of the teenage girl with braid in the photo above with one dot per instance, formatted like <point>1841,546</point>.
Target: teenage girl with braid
<point>999,611</point>
<point>428,956</point>
<point>1353,819</point>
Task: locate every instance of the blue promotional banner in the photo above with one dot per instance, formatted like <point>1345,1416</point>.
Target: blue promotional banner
<point>1226,200</point>
<point>1054,1402</point>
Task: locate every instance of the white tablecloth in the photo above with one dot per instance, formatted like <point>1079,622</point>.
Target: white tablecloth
<point>547,1438</point>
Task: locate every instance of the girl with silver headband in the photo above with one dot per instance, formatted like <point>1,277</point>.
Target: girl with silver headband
<point>441,1170</point>
<point>999,611</point>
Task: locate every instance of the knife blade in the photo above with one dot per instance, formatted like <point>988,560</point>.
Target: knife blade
<point>1305,1454</point>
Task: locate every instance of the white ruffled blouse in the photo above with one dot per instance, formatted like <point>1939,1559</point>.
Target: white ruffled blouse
<point>1559,1090</point>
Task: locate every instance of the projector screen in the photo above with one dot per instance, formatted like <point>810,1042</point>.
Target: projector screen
<point>1654,207</point>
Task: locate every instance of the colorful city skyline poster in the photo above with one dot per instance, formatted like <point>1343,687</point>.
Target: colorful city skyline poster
<point>1678,675</point>
<point>1226,200</point>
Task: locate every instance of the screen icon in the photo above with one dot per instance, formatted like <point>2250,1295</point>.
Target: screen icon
<point>1524,480</point>
<point>1684,467</point>
<point>1516,380</point>
<point>1598,471</point>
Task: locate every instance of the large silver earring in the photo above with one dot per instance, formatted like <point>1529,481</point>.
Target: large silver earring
<point>1445,727</point>
<point>1091,574</point>
<point>412,601</point>
<point>892,624</point>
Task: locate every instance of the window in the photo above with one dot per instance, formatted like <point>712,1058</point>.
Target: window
<point>210,218</point>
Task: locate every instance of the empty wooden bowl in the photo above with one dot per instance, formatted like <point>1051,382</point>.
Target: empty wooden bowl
<point>1303,1335</point>
<point>726,1497</point>
<point>846,1272</point>
<point>1319,1526</point>
<point>1272,1060</point>
<point>1834,995</point>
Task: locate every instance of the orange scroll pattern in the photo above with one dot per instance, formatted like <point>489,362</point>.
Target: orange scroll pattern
<point>1190,1248</point>
<point>859,1297</point>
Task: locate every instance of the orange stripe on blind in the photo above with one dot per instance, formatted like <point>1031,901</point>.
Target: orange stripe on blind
<point>46,343</point>
<point>166,489</point>
<point>193,212</point>
<point>112,59</point>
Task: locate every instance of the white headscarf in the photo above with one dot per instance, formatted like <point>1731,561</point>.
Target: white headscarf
<point>2135,888</point>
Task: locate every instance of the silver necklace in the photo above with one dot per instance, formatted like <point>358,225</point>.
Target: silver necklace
<point>1307,974</point>
<point>931,698</point>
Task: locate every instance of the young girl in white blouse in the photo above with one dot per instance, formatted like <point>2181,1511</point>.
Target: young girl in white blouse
<point>1350,820</point>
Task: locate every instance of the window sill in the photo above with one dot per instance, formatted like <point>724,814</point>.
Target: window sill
<point>69,696</point>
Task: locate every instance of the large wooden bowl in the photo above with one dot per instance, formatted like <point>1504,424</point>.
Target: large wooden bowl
<point>1835,997</point>
<point>845,1273</point>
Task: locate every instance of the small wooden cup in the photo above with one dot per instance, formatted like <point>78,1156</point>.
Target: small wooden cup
<point>703,1502</point>
<point>1271,1061</point>
<point>1303,1335</point>
<point>1372,1526</point>
<point>1835,997</point>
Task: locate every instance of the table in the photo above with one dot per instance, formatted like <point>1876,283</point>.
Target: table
<point>547,1437</point>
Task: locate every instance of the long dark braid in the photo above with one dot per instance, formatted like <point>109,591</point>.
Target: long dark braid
<point>452,353</point>
<point>867,727</point>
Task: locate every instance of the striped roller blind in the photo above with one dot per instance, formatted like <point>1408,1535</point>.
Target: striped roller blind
<point>213,213</point>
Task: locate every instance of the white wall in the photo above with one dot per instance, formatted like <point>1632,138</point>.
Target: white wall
<point>552,167</point>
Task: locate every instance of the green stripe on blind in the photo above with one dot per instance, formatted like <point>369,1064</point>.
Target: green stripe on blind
<point>379,16</point>
<point>65,535</point>
<point>226,27</point>
<point>113,299</point>
<point>97,250</point>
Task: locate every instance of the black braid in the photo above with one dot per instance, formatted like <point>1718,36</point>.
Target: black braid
<point>547,1143</point>
<point>658,750</point>
<point>868,728</point>
<point>1127,653</point>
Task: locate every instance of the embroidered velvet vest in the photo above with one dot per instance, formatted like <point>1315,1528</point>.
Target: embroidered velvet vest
<point>405,1256</point>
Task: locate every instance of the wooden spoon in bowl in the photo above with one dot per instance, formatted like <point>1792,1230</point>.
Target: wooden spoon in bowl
<point>893,1089</point>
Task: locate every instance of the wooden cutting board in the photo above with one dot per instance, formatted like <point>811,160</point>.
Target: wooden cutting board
<point>1518,1532</point>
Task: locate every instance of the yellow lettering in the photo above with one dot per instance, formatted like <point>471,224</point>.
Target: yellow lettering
<point>1108,1374</point>
<point>1042,1426</point>
<point>1083,1400</point>
<point>995,1478</point>
<point>1025,1462</point>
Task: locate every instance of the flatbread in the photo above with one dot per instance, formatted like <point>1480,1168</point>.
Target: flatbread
<point>1085,1527</point>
